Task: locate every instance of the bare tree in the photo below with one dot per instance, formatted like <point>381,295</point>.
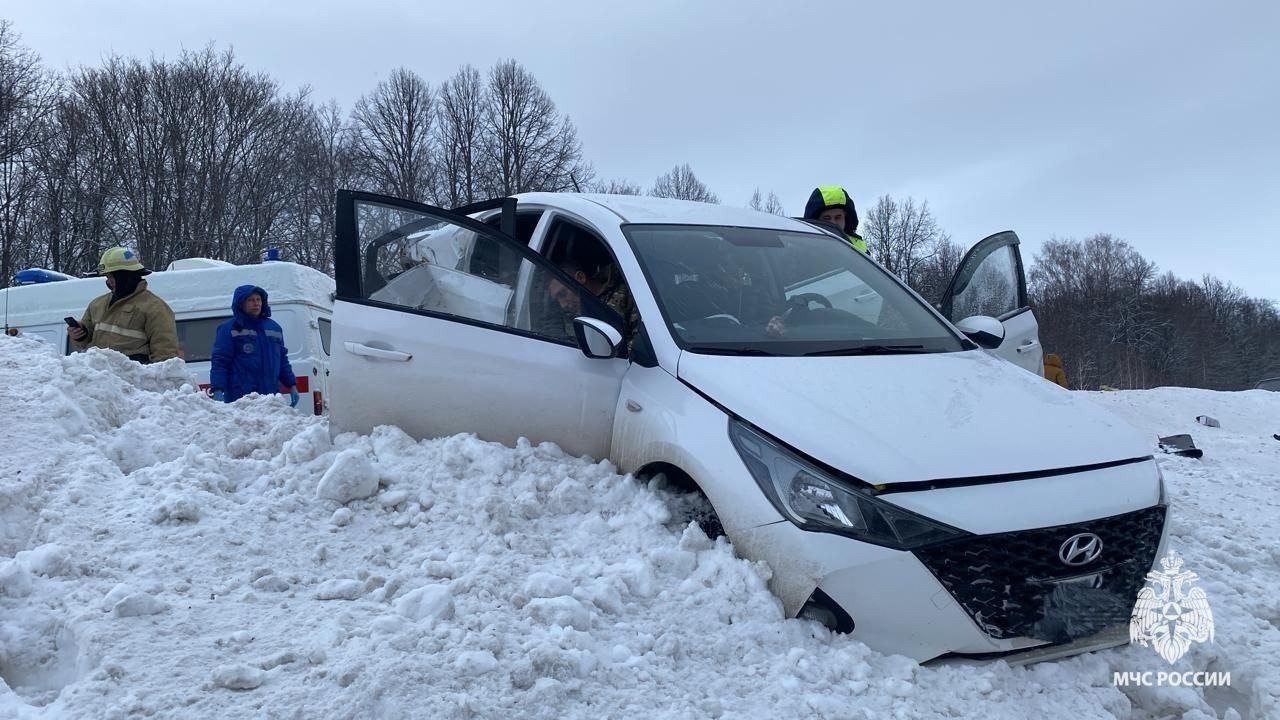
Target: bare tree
<point>772,205</point>
<point>902,236</point>
<point>617,187</point>
<point>27,95</point>
<point>194,151</point>
<point>71,209</point>
<point>392,131</point>
<point>461,113</point>
<point>682,184</point>
<point>529,145</point>
<point>323,161</point>
<point>933,274</point>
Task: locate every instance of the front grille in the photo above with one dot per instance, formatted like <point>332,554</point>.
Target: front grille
<point>1014,585</point>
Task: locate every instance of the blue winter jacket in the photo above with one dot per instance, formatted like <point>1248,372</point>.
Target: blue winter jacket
<point>248,353</point>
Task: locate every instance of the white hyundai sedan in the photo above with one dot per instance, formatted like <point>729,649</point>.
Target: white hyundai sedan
<point>905,471</point>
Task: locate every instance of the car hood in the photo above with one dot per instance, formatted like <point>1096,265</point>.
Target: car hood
<point>915,418</point>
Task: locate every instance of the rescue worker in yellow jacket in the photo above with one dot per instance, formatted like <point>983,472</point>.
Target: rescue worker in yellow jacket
<point>1053,369</point>
<point>130,319</point>
<point>831,204</point>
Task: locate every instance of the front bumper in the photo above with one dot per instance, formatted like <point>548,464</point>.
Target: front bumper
<point>981,595</point>
<point>1014,585</point>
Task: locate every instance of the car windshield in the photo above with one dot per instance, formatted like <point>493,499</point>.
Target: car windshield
<point>753,291</point>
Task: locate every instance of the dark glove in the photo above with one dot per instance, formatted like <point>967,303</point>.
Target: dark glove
<point>219,395</point>
<point>293,397</point>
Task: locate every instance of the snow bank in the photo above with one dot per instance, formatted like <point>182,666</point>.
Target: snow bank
<point>162,554</point>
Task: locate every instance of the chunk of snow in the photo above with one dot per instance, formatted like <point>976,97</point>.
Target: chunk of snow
<point>562,611</point>
<point>429,604</point>
<point>137,605</point>
<point>271,583</point>
<point>340,590</point>
<point>238,677</point>
<point>351,477</point>
<point>393,498</point>
<point>546,585</point>
<point>115,595</point>
<point>49,560</point>
<point>475,662</point>
<point>176,510</point>
<point>15,579</point>
<point>341,517</point>
<point>307,445</point>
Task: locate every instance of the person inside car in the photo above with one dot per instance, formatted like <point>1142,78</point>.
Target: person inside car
<point>603,281</point>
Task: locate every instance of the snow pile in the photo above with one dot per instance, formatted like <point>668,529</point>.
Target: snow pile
<point>162,554</point>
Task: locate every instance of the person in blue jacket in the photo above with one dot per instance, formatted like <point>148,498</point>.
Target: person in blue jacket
<point>248,351</point>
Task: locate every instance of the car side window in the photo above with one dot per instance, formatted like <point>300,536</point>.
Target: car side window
<point>989,288</point>
<point>573,249</point>
<point>419,261</point>
<point>195,337</point>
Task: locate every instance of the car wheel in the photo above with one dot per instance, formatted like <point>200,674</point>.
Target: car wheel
<point>685,499</point>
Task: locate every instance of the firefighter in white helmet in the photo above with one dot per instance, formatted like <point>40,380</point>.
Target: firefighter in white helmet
<point>130,319</point>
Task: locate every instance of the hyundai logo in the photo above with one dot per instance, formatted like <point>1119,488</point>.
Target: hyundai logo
<point>1080,549</point>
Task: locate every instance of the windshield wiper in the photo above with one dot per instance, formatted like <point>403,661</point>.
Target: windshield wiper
<point>739,350</point>
<point>875,350</point>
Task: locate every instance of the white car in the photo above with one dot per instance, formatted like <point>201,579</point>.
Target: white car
<point>903,483</point>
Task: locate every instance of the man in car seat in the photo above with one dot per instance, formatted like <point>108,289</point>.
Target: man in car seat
<point>603,281</point>
<point>831,204</point>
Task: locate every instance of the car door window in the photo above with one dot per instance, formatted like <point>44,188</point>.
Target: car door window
<point>421,259</point>
<point>526,223</point>
<point>989,281</point>
<point>572,247</point>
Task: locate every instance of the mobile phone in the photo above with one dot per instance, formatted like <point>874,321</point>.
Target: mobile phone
<point>71,322</point>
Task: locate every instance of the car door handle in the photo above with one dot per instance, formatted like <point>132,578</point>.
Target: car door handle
<point>1028,346</point>
<point>356,348</point>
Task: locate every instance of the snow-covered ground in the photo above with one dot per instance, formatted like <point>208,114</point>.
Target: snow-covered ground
<point>164,555</point>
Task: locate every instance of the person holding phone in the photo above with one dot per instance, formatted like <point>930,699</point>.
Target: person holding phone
<point>130,319</point>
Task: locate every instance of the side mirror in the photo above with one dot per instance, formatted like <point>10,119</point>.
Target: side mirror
<point>985,330</point>
<point>596,338</point>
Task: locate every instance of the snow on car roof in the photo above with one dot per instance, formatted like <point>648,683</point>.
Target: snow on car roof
<point>640,209</point>
<point>183,290</point>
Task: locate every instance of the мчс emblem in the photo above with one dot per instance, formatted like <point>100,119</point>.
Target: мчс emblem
<point>1171,614</point>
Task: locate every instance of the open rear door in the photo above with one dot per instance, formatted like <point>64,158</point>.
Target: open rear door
<point>990,281</point>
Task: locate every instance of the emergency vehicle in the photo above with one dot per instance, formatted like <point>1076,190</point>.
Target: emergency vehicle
<point>199,291</point>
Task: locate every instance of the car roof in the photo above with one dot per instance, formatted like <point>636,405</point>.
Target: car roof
<point>646,210</point>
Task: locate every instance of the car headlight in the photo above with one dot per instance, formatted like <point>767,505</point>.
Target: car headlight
<point>815,500</point>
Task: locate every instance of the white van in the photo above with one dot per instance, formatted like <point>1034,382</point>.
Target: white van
<point>199,291</point>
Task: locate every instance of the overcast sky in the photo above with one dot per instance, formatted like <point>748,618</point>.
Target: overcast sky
<point>1158,122</point>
